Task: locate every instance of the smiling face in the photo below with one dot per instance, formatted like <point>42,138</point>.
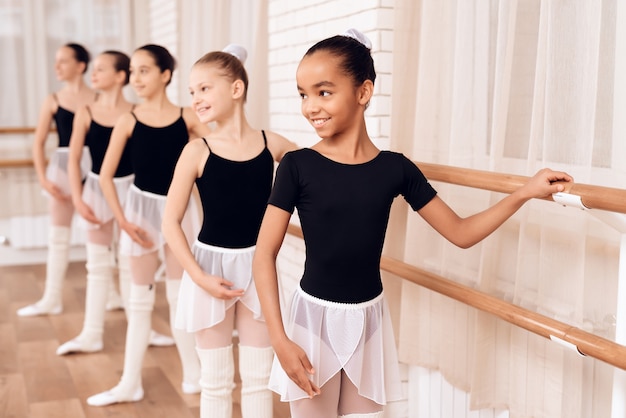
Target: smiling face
<point>146,77</point>
<point>212,93</point>
<point>330,100</point>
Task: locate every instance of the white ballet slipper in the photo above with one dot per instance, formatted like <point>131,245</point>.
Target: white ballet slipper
<point>78,346</point>
<point>112,396</point>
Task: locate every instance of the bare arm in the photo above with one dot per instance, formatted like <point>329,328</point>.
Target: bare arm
<point>189,165</point>
<point>77,142</point>
<point>119,137</point>
<point>195,128</point>
<point>279,145</point>
<point>42,130</point>
<point>292,358</point>
<point>465,232</point>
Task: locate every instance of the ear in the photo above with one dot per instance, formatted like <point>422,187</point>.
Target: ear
<point>365,92</point>
<point>166,76</point>
<point>237,89</point>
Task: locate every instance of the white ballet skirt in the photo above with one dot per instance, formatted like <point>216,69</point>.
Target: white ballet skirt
<point>145,209</point>
<point>94,198</point>
<point>197,308</point>
<point>56,171</point>
<point>355,337</point>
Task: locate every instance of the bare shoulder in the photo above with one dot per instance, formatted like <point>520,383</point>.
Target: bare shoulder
<point>279,145</point>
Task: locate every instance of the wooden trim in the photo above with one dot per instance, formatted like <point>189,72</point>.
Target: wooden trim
<point>586,343</point>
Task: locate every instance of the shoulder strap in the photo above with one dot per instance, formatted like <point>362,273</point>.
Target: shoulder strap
<point>181,111</point>
<point>206,143</point>
<point>89,111</point>
<point>264,138</point>
<point>56,99</point>
<point>133,113</point>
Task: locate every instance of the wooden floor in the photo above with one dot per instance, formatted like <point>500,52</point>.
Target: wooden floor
<point>36,383</point>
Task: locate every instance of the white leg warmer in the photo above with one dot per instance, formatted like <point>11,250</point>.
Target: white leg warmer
<point>129,389</point>
<point>255,365</point>
<point>123,267</point>
<point>185,342</point>
<point>99,277</point>
<point>218,371</point>
<point>58,256</point>
<point>114,299</point>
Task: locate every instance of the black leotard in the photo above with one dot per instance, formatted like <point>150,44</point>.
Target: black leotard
<point>343,210</point>
<point>234,196</point>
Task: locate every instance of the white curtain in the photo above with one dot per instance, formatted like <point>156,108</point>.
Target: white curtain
<point>210,26</point>
<point>30,33</point>
<point>513,86</point>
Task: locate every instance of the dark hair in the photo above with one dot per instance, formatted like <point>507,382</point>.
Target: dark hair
<point>356,58</point>
<point>232,66</point>
<point>80,53</point>
<point>162,57</point>
<point>122,62</point>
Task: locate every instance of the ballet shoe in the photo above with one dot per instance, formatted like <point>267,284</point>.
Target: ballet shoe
<point>77,346</point>
<point>36,310</point>
<point>115,304</point>
<point>191,388</point>
<point>109,397</point>
<point>160,340</point>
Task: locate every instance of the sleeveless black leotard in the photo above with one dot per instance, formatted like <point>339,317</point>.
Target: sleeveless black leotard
<point>154,152</point>
<point>63,120</point>
<point>97,139</point>
<point>234,196</point>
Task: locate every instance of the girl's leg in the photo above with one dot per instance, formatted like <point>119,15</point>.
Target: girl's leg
<point>99,280</point>
<point>351,404</point>
<point>61,212</point>
<point>123,270</point>
<point>185,341</point>
<point>141,304</point>
<point>215,349</point>
<point>255,363</point>
<point>323,405</point>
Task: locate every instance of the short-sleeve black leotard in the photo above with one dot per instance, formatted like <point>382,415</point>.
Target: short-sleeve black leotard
<point>344,210</point>
<point>234,196</point>
<point>154,152</point>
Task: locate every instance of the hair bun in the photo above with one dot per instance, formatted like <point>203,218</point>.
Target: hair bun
<point>359,36</point>
<point>237,51</point>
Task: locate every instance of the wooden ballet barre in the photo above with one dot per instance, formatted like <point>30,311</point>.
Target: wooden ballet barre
<point>593,197</point>
<point>17,163</point>
<point>17,130</point>
<point>584,342</point>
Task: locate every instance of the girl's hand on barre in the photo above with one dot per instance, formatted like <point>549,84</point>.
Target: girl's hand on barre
<point>545,183</point>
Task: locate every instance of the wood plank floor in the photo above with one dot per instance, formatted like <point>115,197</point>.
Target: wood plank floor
<point>36,383</point>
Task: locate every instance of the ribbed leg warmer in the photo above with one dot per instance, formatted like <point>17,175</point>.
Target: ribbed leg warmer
<point>218,371</point>
<point>255,365</point>
<point>56,267</point>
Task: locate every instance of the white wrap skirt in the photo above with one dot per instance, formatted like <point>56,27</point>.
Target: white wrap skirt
<point>56,171</point>
<point>145,210</point>
<point>93,197</point>
<point>355,337</point>
<point>197,308</point>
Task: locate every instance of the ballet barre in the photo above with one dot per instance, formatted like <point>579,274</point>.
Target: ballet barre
<point>583,342</point>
